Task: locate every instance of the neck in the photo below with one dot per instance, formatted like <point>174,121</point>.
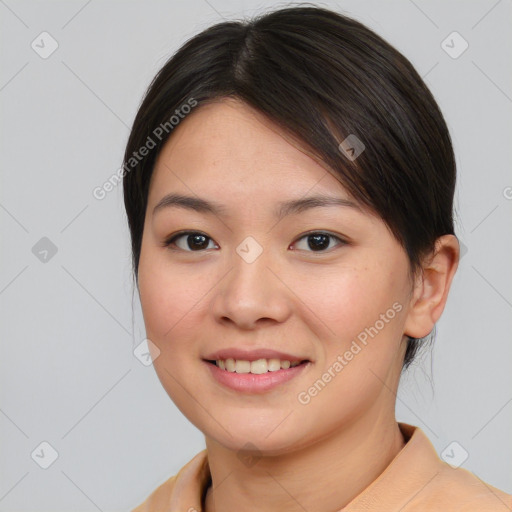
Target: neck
<point>345,463</point>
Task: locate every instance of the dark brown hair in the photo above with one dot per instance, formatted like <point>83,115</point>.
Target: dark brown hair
<point>321,77</point>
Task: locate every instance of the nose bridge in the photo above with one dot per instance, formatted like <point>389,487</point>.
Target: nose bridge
<point>250,291</point>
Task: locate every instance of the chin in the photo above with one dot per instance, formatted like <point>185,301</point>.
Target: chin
<point>270,437</point>
<point>256,446</point>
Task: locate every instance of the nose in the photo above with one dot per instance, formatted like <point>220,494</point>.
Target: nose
<point>251,294</point>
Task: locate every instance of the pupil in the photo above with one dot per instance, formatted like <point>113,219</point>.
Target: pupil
<point>318,241</point>
<point>197,242</point>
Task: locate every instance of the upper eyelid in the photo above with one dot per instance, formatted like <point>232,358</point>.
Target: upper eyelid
<point>172,238</point>
<point>320,232</point>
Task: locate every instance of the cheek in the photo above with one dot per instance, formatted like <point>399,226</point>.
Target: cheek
<point>168,297</point>
<point>170,301</point>
<point>349,300</point>
<point>363,313</point>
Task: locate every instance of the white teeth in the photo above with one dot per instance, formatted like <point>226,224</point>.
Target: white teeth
<point>242,366</point>
<point>256,367</point>
<point>230,365</point>
<point>273,365</point>
<point>259,366</point>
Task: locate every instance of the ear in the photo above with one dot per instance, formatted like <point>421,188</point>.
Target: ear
<point>432,286</point>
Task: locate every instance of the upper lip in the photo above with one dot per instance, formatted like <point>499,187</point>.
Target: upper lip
<point>252,355</point>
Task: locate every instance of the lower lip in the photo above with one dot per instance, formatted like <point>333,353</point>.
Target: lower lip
<point>253,383</point>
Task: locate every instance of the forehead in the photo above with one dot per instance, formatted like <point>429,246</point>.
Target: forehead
<point>227,148</point>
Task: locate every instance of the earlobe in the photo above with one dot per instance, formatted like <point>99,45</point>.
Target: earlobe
<point>432,287</point>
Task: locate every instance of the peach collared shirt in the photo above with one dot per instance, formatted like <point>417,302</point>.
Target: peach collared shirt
<point>417,479</point>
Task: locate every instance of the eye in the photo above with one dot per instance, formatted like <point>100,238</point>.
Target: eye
<point>195,241</point>
<point>190,241</point>
<point>318,241</point>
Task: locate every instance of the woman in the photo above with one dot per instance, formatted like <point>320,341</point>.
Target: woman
<point>289,189</point>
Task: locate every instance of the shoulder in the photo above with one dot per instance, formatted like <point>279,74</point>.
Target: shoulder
<point>159,498</point>
<point>463,491</point>
<point>186,486</point>
<point>418,479</point>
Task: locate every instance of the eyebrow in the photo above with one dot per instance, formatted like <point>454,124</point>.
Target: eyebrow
<point>284,209</point>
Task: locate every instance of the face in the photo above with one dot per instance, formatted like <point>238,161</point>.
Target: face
<point>322,285</point>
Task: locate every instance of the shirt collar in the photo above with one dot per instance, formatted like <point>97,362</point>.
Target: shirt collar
<point>412,469</point>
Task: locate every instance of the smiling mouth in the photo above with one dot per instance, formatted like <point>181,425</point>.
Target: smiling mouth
<point>257,367</point>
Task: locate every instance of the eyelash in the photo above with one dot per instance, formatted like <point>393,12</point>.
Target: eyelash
<point>172,239</point>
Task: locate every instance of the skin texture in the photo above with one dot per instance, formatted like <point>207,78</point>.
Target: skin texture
<point>309,303</point>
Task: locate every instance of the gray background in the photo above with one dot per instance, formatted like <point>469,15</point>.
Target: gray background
<point>68,373</point>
